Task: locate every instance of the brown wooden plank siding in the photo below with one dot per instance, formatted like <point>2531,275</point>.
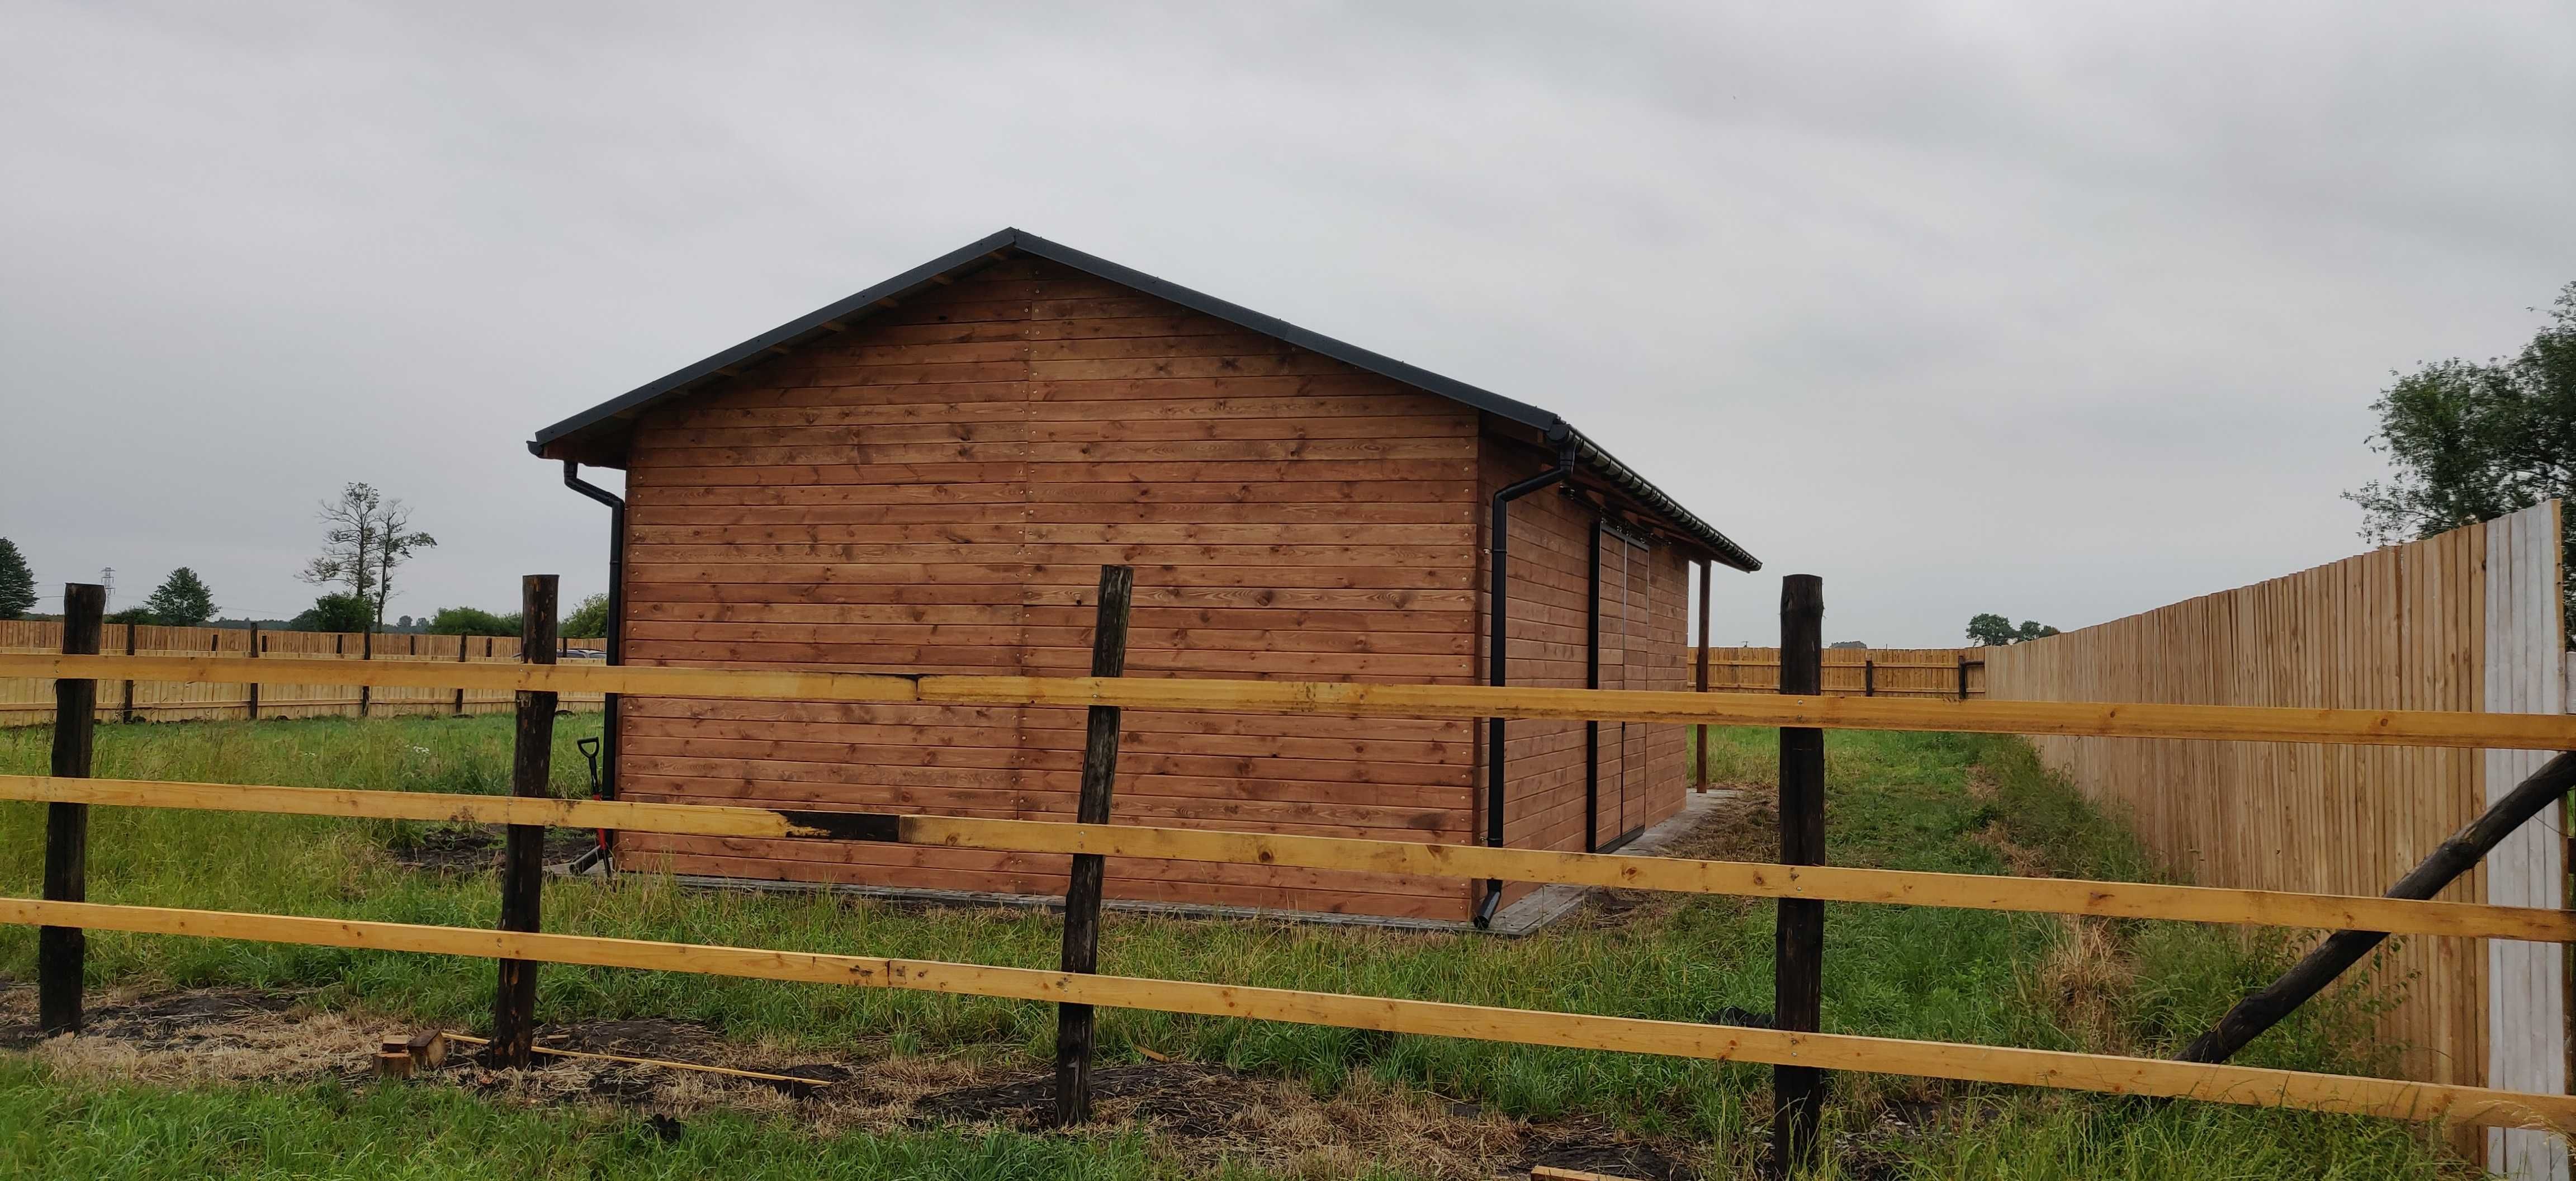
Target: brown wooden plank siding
<point>1547,584</point>
<point>936,489</point>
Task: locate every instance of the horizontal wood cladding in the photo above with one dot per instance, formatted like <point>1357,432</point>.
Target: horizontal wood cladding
<point>1641,768</point>
<point>935,489</point>
<point>1050,533</point>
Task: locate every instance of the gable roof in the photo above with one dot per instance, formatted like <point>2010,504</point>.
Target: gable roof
<point>593,434</point>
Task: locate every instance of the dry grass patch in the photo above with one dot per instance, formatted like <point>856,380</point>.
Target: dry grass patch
<point>1201,1118</point>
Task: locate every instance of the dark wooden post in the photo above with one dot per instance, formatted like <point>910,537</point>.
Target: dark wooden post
<point>460,691</point>
<point>1073,1022</point>
<point>366,651</point>
<point>1699,773</point>
<point>1963,676</point>
<point>523,851</point>
<point>254,685</point>
<point>2329,959</point>
<point>59,950</point>
<point>1868,677</point>
<point>1798,933</point>
<point>127,713</point>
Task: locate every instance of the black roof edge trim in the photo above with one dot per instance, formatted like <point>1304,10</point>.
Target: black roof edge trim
<point>1589,455</point>
<point>1343,351</point>
<point>654,390</point>
<point>1593,458</point>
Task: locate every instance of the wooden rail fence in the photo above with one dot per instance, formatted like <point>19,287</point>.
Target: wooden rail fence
<point>2366,727</point>
<point>1955,674</point>
<point>27,701</point>
<point>2466,622</point>
<point>2221,1083</point>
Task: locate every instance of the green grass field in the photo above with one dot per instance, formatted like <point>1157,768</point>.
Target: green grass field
<point>1910,801</point>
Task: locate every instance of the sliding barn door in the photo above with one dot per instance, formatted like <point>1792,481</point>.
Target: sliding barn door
<point>1619,804</point>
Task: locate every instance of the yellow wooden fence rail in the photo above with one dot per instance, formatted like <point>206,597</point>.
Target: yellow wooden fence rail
<point>2372,727</point>
<point>1677,875</point>
<point>2247,1085</point>
<point>2116,1075</point>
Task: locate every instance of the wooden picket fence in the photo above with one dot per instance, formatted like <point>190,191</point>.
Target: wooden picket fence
<point>1079,989</point>
<point>28,701</point>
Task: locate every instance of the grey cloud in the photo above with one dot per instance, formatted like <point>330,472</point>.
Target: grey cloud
<point>2059,310</point>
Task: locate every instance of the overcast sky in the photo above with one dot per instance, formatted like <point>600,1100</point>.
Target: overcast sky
<point>2065,314</point>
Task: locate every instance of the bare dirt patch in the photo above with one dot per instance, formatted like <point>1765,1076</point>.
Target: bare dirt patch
<point>201,1036</point>
<point>1198,1114</point>
<point>2020,861</point>
<point>1737,826</point>
<point>476,848</point>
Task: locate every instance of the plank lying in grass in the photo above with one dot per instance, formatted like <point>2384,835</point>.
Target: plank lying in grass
<point>2106,719</point>
<point>1738,878</point>
<point>2250,1086</point>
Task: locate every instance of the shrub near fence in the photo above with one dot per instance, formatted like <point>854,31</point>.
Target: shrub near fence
<point>26,701</point>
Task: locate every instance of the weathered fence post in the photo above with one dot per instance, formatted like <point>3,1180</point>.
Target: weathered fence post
<point>1963,676</point>
<point>125,714</point>
<point>1798,933</point>
<point>59,950</point>
<point>366,651</point>
<point>2337,952</point>
<point>460,690</point>
<point>254,685</point>
<point>523,851</point>
<point>1074,1022</point>
<point>1868,677</point>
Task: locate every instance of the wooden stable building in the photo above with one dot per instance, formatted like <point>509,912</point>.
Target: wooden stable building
<point>927,477</point>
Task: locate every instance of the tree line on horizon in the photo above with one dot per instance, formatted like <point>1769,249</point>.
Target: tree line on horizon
<point>367,537</point>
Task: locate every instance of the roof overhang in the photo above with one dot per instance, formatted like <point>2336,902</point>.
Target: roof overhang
<point>597,436</point>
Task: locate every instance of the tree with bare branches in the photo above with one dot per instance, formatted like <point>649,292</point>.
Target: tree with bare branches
<point>366,536</point>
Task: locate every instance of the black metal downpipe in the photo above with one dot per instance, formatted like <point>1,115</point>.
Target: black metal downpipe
<point>616,628</point>
<point>1496,659</point>
<point>1592,680</point>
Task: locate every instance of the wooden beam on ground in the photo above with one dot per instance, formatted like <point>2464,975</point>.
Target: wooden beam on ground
<point>60,951</point>
<point>665,1063</point>
<point>2137,900</point>
<point>2240,723</point>
<point>1552,1173</point>
<point>2245,1085</point>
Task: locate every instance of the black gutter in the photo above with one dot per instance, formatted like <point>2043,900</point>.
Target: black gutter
<point>1496,658</point>
<point>616,621</point>
<point>1592,458</point>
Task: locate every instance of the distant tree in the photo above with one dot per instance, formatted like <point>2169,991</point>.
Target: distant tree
<point>367,536</point>
<point>403,623</point>
<point>182,600</point>
<point>1991,631</point>
<point>588,621</point>
<point>2472,442</point>
<point>17,582</point>
<point>1848,644</point>
<point>336,612</point>
<point>472,621</point>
